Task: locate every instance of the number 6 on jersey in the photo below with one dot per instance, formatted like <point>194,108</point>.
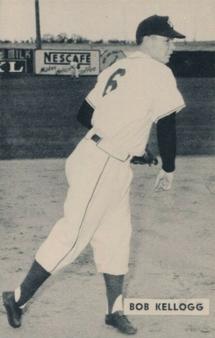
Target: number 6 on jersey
<point>112,81</point>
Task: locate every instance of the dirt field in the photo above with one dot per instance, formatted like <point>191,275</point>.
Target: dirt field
<point>172,251</point>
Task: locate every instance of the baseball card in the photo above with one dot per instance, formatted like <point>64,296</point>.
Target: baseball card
<point>107,168</point>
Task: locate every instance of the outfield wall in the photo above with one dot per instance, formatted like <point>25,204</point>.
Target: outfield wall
<point>38,113</point>
<point>38,116</point>
<point>16,60</point>
<point>90,61</point>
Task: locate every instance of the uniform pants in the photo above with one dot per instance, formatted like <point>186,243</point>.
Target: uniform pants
<point>96,211</point>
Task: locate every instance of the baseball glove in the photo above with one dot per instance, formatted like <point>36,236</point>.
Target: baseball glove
<point>146,158</point>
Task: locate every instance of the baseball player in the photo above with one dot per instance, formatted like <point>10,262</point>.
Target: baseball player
<point>74,69</point>
<point>128,98</point>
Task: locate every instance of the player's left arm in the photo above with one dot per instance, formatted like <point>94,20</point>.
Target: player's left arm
<point>166,136</point>
<point>168,103</point>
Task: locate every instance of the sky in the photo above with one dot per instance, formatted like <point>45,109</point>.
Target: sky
<point>106,19</point>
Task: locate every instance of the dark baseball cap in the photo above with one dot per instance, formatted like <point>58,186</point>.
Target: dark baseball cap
<point>156,25</point>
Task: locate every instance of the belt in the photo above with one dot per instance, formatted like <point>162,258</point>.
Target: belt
<point>96,138</point>
<point>108,147</point>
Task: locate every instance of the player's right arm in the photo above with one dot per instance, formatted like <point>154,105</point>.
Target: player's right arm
<point>88,106</point>
<point>90,103</point>
<point>85,114</point>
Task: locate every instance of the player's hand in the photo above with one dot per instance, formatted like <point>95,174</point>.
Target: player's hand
<point>147,158</point>
<point>163,181</point>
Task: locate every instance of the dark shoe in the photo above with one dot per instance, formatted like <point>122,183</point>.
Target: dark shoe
<point>121,322</point>
<point>14,313</point>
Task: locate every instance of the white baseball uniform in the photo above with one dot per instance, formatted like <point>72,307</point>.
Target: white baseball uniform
<point>74,68</point>
<point>128,97</point>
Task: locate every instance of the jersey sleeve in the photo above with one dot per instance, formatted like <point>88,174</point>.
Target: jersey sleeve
<point>96,93</point>
<point>168,98</point>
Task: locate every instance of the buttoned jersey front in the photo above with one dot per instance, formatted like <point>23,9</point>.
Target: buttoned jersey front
<point>128,97</point>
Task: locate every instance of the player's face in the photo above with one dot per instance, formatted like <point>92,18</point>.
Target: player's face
<point>161,48</point>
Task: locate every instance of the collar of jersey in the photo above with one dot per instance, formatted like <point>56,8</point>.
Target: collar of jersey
<point>138,54</point>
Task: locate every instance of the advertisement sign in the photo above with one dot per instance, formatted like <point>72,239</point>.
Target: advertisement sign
<point>16,60</point>
<point>13,66</point>
<point>63,62</point>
